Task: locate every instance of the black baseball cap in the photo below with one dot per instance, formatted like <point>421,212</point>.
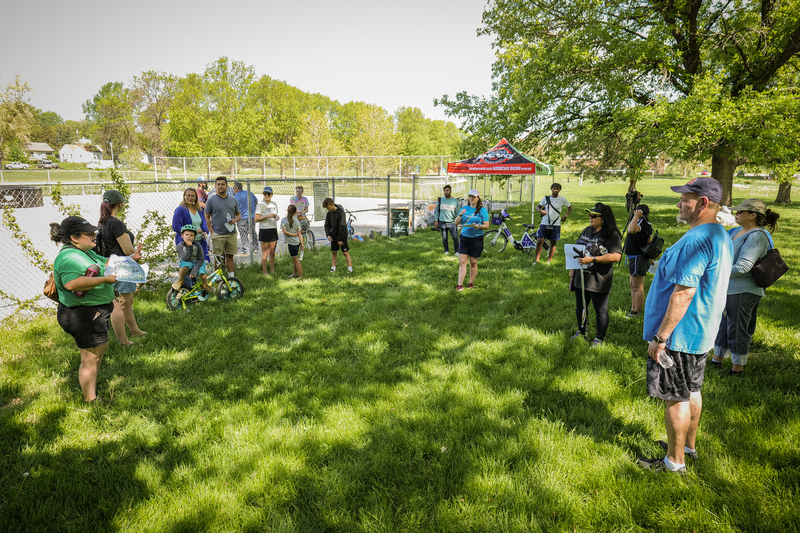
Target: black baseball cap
<point>75,225</point>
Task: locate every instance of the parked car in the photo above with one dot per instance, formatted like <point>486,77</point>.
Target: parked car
<point>100,165</point>
<point>46,163</point>
<point>16,165</point>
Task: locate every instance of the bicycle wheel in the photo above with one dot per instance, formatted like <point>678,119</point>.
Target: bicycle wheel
<point>236,291</point>
<point>174,298</point>
<point>309,239</point>
<point>499,244</point>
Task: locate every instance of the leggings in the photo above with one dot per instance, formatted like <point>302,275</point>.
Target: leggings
<point>600,304</point>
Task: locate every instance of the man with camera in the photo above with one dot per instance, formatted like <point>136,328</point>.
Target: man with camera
<point>445,215</point>
<point>681,317</point>
<point>550,228</point>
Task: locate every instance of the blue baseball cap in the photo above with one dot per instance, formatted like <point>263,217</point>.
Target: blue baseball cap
<point>268,190</point>
<point>708,187</point>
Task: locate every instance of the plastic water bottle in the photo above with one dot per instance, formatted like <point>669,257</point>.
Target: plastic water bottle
<point>228,217</point>
<point>665,360</point>
<point>300,255</point>
<point>91,272</point>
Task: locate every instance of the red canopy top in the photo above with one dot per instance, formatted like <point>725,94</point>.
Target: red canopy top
<point>502,159</point>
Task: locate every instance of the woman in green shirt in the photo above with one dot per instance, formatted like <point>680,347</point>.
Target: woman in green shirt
<point>85,296</point>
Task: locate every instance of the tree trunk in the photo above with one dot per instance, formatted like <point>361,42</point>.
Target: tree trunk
<point>632,182</point>
<point>784,193</point>
<point>722,168</point>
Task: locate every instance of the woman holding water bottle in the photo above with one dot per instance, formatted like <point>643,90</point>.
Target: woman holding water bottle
<point>473,220</point>
<point>85,296</point>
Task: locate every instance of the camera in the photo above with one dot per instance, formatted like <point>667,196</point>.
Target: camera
<point>632,199</point>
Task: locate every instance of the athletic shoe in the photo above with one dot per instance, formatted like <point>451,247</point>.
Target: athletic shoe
<point>578,335</point>
<point>665,447</point>
<point>97,401</point>
<point>471,286</point>
<point>447,253</point>
<point>176,284</point>
<point>734,374</point>
<point>596,343</point>
<point>291,276</point>
<point>657,465</point>
<point>715,364</point>
<point>333,269</point>
<point>632,314</point>
<point>459,287</point>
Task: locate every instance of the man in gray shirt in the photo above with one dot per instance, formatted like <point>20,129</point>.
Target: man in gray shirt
<point>222,214</point>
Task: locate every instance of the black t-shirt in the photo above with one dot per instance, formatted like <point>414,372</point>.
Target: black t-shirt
<point>111,229</point>
<point>635,242</point>
<point>599,276</point>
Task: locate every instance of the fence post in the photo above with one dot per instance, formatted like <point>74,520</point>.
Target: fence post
<point>185,178</point>
<point>1,176</point>
<point>388,204</point>
<point>333,188</point>
<point>327,174</point>
<point>250,225</point>
<point>208,164</point>
<point>412,215</point>
<point>294,169</point>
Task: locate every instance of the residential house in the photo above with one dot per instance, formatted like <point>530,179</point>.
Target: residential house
<point>39,151</point>
<point>77,153</point>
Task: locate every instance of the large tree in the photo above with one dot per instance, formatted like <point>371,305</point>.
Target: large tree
<point>110,116</point>
<point>375,136</point>
<point>16,115</point>
<point>570,71</point>
<point>152,94</point>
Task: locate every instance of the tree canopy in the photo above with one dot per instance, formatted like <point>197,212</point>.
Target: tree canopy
<point>623,80</point>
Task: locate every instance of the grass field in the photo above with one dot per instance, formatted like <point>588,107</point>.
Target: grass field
<point>386,401</point>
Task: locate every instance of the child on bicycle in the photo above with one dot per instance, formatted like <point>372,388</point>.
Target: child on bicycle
<point>294,240</point>
<point>191,256</point>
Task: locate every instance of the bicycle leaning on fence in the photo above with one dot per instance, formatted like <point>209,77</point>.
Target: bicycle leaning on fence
<point>495,241</point>
<point>309,239</point>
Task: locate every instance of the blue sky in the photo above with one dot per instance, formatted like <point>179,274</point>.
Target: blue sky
<point>382,52</point>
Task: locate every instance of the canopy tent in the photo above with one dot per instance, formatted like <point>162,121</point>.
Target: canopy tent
<point>504,160</point>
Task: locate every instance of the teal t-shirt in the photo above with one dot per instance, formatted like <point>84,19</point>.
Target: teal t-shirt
<point>446,209</point>
<point>471,217</point>
<point>71,263</point>
<point>702,258</point>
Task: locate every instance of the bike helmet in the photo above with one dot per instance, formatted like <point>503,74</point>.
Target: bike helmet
<point>189,227</point>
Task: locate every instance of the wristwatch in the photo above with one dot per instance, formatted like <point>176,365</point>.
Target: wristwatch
<point>658,339</point>
<point>594,260</point>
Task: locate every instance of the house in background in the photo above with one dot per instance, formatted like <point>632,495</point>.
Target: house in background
<point>39,151</point>
<point>79,153</point>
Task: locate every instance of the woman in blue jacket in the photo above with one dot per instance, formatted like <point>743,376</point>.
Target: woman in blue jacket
<point>189,212</point>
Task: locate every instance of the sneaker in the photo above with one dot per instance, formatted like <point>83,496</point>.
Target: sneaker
<point>632,314</point>
<point>665,447</point>
<point>459,287</point>
<point>596,343</point>
<point>734,374</point>
<point>578,335</point>
<point>98,400</point>
<point>333,269</point>
<point>548,263</point>
<point>447,253</point>
<point>657,465</point>
<point>176,284</point>
<point>715,364</point>
<point>471,286</point>
<point>291,276</point>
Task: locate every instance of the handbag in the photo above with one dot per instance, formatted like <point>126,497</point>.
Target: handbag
<point>50,289</point>
<point>769,268</point>
<point>653,249</point>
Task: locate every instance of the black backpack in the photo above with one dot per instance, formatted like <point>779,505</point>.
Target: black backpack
<point>100,249</point>
<point>653,249</point>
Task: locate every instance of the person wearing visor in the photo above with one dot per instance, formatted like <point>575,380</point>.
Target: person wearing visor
<point>267,218</point>
<point>603,243</point>
<point>681,318</point>
<point>118,240</point>
<point>751,242</point>
<point>473,221</point>
<point>85,296</point>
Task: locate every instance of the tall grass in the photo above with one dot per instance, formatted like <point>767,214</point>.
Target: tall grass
<point>386,401</point>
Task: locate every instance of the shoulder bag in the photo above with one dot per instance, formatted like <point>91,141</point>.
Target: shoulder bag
<point>653,249</point>
<point>769,268</point>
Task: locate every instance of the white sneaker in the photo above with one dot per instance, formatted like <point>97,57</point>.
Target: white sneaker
<point>447,253</point>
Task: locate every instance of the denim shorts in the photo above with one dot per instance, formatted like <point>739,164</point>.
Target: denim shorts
<point>551,235</point>
<point>124,287</point>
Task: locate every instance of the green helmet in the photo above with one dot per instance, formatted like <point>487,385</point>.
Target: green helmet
<point>189,227</point>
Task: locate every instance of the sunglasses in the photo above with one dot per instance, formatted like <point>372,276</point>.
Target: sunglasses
<point>741,212</point>
<point>89,234</point>
<point>594,216</point>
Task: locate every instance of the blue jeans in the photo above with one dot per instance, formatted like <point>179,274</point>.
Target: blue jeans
<point>737,327</point>
<point>450,227</point>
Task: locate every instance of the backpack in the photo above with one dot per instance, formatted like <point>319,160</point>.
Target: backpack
<point>653,249</point>
<point>100,249</point>
<point>50,289</point>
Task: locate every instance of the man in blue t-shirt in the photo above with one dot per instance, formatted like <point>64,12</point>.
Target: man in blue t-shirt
<point>682,316</point>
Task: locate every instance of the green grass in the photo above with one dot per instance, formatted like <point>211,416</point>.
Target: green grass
<point>386,401</point>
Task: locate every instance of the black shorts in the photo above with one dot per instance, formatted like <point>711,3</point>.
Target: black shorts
<point>676,383</point>
<point>268,235</point>
<point>294,249</point>
<point>335,246</point>
<point>87,325</point>
<point>471,246</point>
<point>638,265</point>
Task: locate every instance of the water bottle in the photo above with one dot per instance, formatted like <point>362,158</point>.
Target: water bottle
<point>300,255</point>
<point>228,217</point>
<point>665,360</point>
<point>91,272</point>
